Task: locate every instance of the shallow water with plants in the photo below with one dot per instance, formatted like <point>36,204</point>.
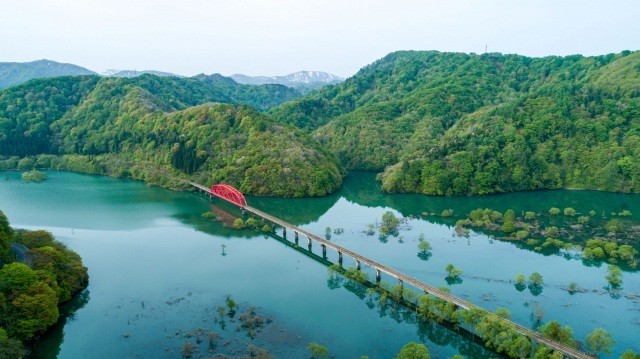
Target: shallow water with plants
<point>165,280</point>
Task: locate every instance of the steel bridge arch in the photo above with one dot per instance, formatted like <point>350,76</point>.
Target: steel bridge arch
<point>229,193</point>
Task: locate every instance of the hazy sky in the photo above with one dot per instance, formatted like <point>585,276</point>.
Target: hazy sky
<point>262,37</point>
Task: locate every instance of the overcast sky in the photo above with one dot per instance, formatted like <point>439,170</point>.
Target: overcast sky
<point>263,37</point>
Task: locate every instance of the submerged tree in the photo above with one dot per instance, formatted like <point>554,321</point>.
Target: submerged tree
<point>413,350</point>
<point>425,250</point>
<point>318,351</point>
<point>600,341</point>
<point>453,274</point>
<point>614,276</point>
<point>520,282</point>
<point>535,283</point>
<point>389,224</point>
<point>555,331</point>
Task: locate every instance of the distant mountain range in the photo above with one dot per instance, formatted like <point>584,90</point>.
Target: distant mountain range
<point>134,73</point>
<point>13,73</point>
<point>303,81</point>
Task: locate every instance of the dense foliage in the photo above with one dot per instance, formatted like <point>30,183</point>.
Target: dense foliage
<point>30,292</point>
<point>147,128</point>
<point>453,124</point>
<point>13,73</point>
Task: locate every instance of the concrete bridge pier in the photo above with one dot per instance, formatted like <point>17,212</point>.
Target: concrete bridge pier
<point>378,275</point>
<point>295,235</point>
<point>284,232</point>
<point>309,244</point>
<point>324,251</point>
<point>358,266</point>
<point>340,258</point>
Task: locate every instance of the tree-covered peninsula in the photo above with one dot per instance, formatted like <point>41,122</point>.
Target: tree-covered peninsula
<point>163,130</point>
<point>467,124</point>
<point>31,289</point>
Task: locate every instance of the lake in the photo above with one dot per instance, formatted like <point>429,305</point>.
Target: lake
<point>159,271</point>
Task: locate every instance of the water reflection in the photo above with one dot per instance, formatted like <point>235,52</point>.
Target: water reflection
<point>49,346</point>
<point>403,311</point>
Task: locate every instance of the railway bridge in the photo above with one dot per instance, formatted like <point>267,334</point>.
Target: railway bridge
<point>232,195</point>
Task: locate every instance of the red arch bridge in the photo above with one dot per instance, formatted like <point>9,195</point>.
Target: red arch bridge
<point>232,195</point>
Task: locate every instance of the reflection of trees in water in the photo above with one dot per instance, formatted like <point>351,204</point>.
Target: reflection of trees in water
<point>296,211</point>
<point>405,312</point>
<point>49,346</point>
<point>222,224</point>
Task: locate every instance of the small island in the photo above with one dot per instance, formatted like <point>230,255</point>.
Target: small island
<point>34,176</point>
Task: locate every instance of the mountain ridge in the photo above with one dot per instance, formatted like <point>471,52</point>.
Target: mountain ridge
<point>163,130</point>
<point>428,120</point>
<point>13,73</point>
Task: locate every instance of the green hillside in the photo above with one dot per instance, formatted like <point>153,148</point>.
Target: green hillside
<point>148,128</point>
<point>458,124</point>
<point>13,73</point>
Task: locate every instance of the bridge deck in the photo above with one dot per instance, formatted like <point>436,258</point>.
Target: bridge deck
<point>567,351</point>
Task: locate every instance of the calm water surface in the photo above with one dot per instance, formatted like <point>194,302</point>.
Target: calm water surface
<point>158,271</point>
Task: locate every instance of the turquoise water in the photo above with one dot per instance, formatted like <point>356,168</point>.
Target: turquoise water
<point>158,273</point>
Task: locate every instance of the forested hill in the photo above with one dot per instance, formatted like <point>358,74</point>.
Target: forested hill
<point>455,124</point>
<point>12,73</point>
<point>147,128</point>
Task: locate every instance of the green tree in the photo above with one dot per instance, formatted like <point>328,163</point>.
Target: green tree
<point>252,223</point>
<point>317,350</point>
<point>424,246</point>
<point>599,341</point>
<point>390,223</point>
<point>33,306</point>
<point>508,227</point>
<point>509,216</point>
<point>614,276</point>
<point>544,352</point>
<point>583,219</point>
<point>554,211</point>
<point>10,348</point>
<point>6,233</point>
<point>535,279</point>
<point>573,287</point>
<point>629,354</point>
<point>555,331</point>
<point>569,212</point>
<point>615,226</point>
<point>238,223</point>
<point>552,231</point>
<point>452,271</point>
<point>413,350</point>
<point>34,176</point>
